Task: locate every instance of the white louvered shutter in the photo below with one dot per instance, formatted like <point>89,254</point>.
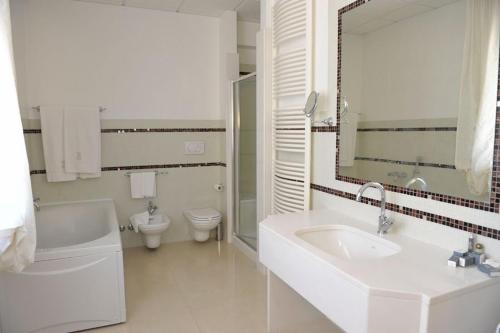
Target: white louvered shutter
<point>292,82</point>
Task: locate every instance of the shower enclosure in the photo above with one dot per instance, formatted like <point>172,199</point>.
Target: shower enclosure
<point>245,159</point>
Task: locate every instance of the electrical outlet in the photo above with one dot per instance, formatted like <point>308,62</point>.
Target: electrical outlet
<point>194,147</point>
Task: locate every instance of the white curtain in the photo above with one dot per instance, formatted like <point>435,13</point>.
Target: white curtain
<point>477,110</point>
<point>17,219</point>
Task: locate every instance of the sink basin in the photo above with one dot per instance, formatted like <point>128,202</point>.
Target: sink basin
<point>347,243</point>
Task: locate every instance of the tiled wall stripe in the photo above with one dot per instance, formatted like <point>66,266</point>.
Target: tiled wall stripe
<point>324,129</point>
<point>408,129</point>
<point>160,130</point>
<point>32,131</point>
<point>146,167</point>
<point>449,222</point>
<point>333,129</point>
<point>424,164</point>
<point>494,203</point>
<point>144,130</point>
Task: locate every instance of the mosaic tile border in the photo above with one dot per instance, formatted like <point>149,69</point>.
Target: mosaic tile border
<point>324,129</point>
<point>147,167</point>
<point>446,221</point>
<point>144,130</point>
<point>332,129</point>
<point>492,206</point>
<point>408,129</point>
<point>422,164</point>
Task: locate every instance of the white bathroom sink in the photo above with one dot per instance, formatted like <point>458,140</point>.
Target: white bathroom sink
<point>347,243</point>
<point>356,278</point>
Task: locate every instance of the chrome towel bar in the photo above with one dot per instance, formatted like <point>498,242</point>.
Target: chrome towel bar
<point>128,174</point>
<point>37,108</point>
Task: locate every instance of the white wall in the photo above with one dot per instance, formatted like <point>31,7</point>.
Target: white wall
<point>353,56</point>
<point>228,59</point>
<point>140,64</point>
<point>247,34</point>
<point>431,45</point>
<point>150,69</point>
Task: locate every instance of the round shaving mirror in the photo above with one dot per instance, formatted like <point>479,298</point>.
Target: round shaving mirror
<point>311,104</point>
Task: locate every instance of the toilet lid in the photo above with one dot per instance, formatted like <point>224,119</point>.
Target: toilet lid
<point>203,213</point>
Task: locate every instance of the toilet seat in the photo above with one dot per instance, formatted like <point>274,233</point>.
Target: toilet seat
<point>202,220</point>
<point>202,214</point>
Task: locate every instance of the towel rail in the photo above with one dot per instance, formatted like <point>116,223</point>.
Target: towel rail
<point>128,174</point>
<point>37,108</point>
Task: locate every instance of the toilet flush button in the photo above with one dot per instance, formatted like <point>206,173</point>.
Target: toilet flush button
<point>194,147</point>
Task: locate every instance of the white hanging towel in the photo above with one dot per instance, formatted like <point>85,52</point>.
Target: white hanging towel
<point>52,120</point>
<point>348,134</point>
<point>143,185</point>
<point>82,141</point>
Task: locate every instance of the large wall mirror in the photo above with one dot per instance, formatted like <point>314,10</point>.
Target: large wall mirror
<point>417,103</point>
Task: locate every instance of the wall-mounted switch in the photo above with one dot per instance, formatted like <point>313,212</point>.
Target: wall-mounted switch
<point>194,147</point>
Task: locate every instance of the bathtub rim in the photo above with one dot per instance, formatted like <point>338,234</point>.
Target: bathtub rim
<point>110,242</point>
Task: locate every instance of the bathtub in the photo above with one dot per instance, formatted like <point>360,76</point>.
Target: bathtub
<point>76,282</point>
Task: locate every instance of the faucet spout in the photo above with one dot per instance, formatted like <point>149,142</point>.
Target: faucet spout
<point>420,180</point>
<point>151,208</point>
<point>384,223</point>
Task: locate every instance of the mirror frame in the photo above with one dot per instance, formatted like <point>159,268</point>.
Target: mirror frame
<point>492,205</point>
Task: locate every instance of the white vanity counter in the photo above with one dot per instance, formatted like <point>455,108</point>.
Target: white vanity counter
<point>412,290</point>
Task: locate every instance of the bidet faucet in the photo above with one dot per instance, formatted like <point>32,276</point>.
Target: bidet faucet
<point>384,223</point>
<point>151,208</point>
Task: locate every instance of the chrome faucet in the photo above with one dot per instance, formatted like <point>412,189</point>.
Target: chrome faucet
<point>36,203</point>
<point>414,180</point>
<point>384,223</point>
<point>151,208</point>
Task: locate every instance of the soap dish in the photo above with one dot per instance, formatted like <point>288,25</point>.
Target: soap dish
<point>489,270</point>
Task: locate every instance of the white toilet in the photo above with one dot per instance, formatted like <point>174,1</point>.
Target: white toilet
<point>151,232</point>
<point>202,220</point>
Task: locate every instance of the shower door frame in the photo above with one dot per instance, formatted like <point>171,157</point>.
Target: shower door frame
<point>235,139</point>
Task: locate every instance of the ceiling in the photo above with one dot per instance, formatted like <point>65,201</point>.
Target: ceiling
<point>375,15</point>
<point>248,10</point>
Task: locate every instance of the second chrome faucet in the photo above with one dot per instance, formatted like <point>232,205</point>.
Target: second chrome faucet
<point>384,222</point>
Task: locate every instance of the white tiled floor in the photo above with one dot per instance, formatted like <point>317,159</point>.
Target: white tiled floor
<point>190,287</point>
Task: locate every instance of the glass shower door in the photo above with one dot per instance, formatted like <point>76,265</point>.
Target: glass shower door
<point>245,159</point>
